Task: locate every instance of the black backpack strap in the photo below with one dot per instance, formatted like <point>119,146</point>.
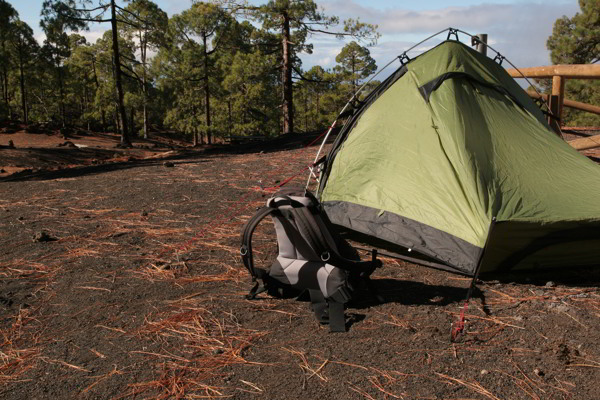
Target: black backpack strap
<point>318,235</point>
<point>259,283</point>
<point>303,216</point>
<point>247,231</point>
<point>310,231</point>
<point>319,305</point>
<point>337,320</point>
<point>328,311</point>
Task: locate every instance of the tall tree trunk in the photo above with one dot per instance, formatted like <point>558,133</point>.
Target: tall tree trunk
<point>61,103</point>
<point>144,84</point>
<point>229,122</point>
<point>206,92</point>
<point>145,105</point>
<point>354,80</point>
<point>102,112</point>
<point>195,133</point>
<point>306,111</point>
<point>117,119</point>
<point>5,89</point>
<point>115,46</point>
<point>132,120</point>
<point>287,106</point>
<point>23,94</point>
<point>5,81</point>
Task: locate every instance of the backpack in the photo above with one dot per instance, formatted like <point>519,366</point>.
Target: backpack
<point>310,257</point>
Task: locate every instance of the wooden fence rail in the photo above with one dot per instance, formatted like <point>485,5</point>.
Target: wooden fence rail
<point>567,71</point>
<point>568,103</point>
<point>559,74</point>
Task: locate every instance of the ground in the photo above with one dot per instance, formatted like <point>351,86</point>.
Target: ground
<point>120,279</point>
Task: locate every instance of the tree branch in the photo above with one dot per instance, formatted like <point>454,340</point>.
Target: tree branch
<point>136,16</point>
<point>128,23</point>
<point>130,59</point>
<point>103,7</point>
<point>303,78</point>
<point>136,78</point>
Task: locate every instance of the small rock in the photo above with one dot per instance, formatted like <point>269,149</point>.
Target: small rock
<point>550,284</point>
<point>42,237</point>
<point>67,143</point>
<point>217,351</point>
<point>538,372</point>
<point>560,307</point>
<point>144,213</point>
<point>168,164</point>
<point>484,372</point>
<point>20,218</point>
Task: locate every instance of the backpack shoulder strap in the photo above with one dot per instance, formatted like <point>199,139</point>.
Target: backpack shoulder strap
<point>247,231</point>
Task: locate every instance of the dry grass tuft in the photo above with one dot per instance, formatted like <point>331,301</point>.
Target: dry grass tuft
<point>207,344</point>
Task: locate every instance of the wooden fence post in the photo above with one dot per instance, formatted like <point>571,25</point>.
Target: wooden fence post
<point>558,90</point>
<point>481,45</point>
<point>554,104</point>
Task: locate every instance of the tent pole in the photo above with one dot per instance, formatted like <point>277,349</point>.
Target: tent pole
<point>311,173</point>
<point>355,95</point>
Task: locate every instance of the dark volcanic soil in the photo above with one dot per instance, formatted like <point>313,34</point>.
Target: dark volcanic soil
<point>136,292</point>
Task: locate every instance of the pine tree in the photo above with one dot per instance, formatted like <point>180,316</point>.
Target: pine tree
<point>576,40</point>
<point>8,15</point>
<point>147,23</point>
<point>294,22</point>
<point>355,64</point>
<point>25,48</point>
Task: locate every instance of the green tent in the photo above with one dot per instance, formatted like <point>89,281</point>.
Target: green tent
<point>450,163</point>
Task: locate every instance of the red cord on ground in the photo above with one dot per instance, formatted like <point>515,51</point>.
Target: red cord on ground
<point>460,324</point>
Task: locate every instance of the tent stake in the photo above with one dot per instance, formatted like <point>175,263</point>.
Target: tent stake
<point>460,324</point>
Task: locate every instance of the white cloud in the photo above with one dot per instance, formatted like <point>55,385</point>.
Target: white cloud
<point>40,37</point>
<point>518,30</point>
<point>91,36</point>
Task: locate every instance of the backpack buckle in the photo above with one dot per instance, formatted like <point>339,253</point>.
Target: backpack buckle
<point>325,256</point>
<point>244,250</point>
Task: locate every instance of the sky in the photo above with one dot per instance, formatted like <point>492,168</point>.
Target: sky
<point>518,29</point>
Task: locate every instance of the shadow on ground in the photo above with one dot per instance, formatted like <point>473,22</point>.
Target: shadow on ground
<point>59,157</point>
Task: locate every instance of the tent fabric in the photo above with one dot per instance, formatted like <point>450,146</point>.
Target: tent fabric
<point>448,147</point>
